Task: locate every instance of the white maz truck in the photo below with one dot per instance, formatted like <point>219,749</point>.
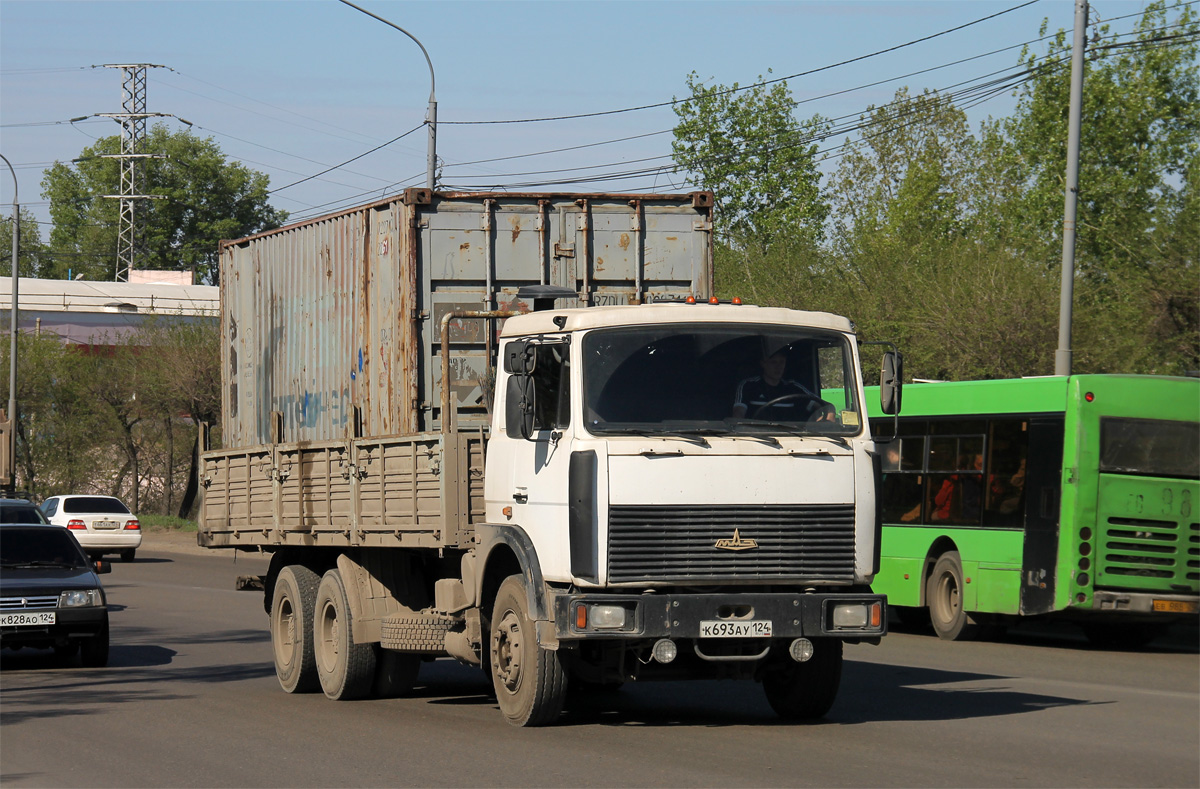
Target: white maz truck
<point>517,431</point>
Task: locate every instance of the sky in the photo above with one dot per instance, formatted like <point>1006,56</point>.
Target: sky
<point>292,88</point>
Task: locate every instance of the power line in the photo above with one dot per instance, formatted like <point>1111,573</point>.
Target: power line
<point>348,161</point>
<point>761,83</point>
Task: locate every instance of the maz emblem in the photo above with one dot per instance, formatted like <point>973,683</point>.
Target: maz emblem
<point>736,544</point>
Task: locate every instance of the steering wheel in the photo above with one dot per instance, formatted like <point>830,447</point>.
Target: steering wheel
<point>781,399</point>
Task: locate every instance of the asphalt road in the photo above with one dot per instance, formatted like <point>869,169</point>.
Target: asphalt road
<point>190,699</point>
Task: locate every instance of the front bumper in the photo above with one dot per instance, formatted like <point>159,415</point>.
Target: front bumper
<point>69,624</point>
<point>678,616</point>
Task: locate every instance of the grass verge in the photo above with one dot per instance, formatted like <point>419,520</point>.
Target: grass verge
<point>166,523</point>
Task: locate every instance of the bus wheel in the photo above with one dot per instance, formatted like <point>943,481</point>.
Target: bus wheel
<point>943,593</point>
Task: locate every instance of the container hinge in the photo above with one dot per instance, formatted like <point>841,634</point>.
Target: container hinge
<point>418,222</point>
<point>351,470</point>
<point>420,315</point>
<point>702,224</point>
<point>564,250</point>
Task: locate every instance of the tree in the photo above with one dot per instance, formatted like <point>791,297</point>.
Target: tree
<point>905,183</point>
<point>1136,294</point>
<point>209,198</point>
<point>185,358</point>
<point>57,426</point>
<point>31,251</point>
<point>749,149</point>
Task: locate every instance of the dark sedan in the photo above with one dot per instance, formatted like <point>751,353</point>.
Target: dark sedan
<point>50,594</point>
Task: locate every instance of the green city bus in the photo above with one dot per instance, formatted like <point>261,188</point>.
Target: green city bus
<point>1075,497</point>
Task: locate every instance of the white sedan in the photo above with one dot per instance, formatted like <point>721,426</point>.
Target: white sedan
<point>101,524</point>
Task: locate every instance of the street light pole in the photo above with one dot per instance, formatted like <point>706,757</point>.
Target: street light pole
<point>1062,356</point>
<point>431,159</point>
<point>11,482</point>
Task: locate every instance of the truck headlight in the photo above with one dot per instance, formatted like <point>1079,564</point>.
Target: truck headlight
<point>857,616</point>
<point>603,617</point>
<point>75,598</point>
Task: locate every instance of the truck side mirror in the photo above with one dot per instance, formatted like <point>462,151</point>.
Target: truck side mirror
<point>519,357</point>
<point>891,380</point>
<point>519,407</point>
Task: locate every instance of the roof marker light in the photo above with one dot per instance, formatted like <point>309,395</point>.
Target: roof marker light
<point>736,300</point>
<point>714,300</point>
<point>690,300</point>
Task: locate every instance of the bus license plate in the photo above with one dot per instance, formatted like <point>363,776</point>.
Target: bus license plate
<point>1176,606</point>
<point>25,618</point>
<point>752,628</point>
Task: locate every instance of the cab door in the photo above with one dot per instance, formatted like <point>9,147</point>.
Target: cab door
<point>538,476</point>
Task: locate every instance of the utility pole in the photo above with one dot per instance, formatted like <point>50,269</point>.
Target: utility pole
<point>133,131</point>
<point>431,112</point>
<point>8,453</point>
<point>1062,356</point>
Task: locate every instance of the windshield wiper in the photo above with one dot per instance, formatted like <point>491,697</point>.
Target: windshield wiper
<point>694,436</point>
<point>791,429</point>
<point>38,563</point>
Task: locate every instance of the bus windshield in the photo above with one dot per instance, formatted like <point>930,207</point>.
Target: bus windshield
<point>712,379</point>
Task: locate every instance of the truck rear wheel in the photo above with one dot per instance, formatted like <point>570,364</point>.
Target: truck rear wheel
<point>292,607</point>
<point>806,691</point>
<point>346,669</point>
<point>530,682</point>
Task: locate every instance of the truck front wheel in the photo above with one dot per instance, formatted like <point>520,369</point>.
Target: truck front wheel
<point>346,669</point>
<point>292,607</point>
<point>530,681</point>
<point>805,691</point>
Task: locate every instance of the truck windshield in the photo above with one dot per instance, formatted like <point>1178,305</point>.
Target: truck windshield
<point>711,379</point>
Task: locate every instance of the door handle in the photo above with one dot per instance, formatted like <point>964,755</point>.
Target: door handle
<point>520,498</point>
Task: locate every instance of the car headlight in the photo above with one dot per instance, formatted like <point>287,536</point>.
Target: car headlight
<point>74,598</point>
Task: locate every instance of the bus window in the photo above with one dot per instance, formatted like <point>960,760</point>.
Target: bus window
<point>955,498</point>
<point>957,427</point>
<point>901,487</point>
<point>1150,447</point>
<point>1004,499</point>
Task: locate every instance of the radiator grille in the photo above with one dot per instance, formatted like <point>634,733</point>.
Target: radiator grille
<point>28,603</point>
<point>1149,554</point>
<point>673,543</point>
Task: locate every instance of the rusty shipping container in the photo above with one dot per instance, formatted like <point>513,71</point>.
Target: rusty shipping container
<point>331,327</point>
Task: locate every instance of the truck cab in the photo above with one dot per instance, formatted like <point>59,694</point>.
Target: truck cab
<point>677,503</point>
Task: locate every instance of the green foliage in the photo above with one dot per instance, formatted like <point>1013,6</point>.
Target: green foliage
<point>113,421</point>
<point>30,251</point>
<point>748,148</point>
<point>154,523</point>
<point>949,242</point>
<point>208,198</point>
